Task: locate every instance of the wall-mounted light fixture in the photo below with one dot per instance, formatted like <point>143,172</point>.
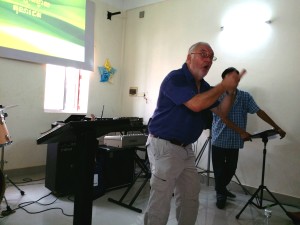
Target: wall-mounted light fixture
<point>110,14</point>
<point>240,24</point>
<point>245,27</point>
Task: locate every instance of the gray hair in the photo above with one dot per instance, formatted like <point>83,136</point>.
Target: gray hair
<point>194,46</point>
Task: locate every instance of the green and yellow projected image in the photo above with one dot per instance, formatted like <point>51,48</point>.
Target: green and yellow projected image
<point>54,28</point>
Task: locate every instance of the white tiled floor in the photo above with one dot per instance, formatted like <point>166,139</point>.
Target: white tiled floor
<point>33,209</point>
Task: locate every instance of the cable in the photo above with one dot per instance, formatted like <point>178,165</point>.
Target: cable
<point>22,206</point>
<point>25,204</point>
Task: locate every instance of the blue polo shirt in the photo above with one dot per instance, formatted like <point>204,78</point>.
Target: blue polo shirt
<point>225,137</point>
<point>172,120</point>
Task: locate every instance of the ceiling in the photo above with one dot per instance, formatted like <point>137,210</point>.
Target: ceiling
<point>129,4</point>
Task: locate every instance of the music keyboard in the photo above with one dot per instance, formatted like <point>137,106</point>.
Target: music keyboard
<point>122,141</point>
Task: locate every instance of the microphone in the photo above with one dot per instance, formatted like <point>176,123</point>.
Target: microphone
<point>265,134</point>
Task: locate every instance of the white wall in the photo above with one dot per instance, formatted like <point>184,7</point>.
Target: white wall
<point>158,43</point>
<point>143,51</point>
<point>23,84</point>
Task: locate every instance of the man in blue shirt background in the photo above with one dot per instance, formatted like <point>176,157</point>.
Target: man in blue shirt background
<point>177,122</point>
<point>228,136</point>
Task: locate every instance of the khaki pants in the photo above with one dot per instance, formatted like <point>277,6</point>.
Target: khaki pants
<point>173,171</point>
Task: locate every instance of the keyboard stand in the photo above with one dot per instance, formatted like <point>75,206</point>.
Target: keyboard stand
<point>143,164</point>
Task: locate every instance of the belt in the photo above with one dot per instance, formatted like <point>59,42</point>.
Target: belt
<point>173,141</point>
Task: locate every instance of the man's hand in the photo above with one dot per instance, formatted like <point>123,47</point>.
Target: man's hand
<point>245,136</point>
<point>281,132</point>
<point>231,80</point>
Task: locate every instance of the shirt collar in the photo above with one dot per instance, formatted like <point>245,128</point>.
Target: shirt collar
<point>188,75</point>
<point>187,72</point>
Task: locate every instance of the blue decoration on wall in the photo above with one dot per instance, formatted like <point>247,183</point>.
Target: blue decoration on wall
<point>106,72</point>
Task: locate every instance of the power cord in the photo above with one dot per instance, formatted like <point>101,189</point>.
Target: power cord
<point>29,181</point>
<point>25,204</point>
<point>22,206</point>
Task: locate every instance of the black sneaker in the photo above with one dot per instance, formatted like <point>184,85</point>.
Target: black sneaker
<point>229,194</point>
<point>221,201</point>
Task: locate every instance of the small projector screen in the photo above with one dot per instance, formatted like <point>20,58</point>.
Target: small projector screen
<point>59,32</point>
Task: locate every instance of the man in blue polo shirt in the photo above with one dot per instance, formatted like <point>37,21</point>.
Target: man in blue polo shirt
<point>178,121</point>
<point>228,136</point>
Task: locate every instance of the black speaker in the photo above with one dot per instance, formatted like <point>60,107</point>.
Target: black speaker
<point>114,168</point>
<point>60,170</point>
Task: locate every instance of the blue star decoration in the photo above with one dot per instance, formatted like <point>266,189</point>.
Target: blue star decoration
<point>106,71</point>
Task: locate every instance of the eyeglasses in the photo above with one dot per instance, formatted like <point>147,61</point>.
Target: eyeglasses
<point>205,55</point>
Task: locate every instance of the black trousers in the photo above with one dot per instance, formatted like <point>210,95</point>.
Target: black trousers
<point>224,162</point>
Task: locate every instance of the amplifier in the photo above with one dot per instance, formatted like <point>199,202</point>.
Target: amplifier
<point>128,140</point>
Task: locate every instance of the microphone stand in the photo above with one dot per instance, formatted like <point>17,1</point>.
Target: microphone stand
<point>259,192</point>
<point>208,171</point>
<point>8,210</point>
<point>198,157</point>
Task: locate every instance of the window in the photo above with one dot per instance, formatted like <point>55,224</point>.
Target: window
<point>66,90</point>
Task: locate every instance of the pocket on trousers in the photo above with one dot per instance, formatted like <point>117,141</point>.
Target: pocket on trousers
<point>158,183</point>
